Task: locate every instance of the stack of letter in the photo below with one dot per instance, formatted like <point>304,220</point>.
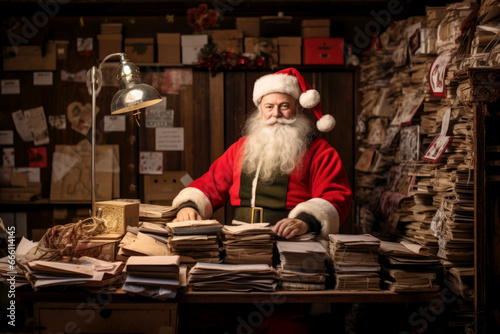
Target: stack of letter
<point>197,239</point>
<point>355,261</point>
<point>302,265</point>
<point>158,277</point>
<point>248,243</point>
<point>233,277</point>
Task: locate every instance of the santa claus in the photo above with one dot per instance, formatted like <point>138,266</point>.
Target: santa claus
<point>278,172</point>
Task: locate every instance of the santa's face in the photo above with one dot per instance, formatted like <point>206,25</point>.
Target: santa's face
<point>278,105</point>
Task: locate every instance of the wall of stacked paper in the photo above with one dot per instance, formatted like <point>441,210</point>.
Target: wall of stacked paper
<point>414,175</point>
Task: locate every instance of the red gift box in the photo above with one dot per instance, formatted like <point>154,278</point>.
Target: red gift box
<point>323,51</point>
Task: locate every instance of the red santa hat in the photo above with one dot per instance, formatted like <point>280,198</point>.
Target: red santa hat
<point>290,81</point>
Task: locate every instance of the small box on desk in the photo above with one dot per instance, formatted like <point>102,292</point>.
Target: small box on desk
<point>263,45</point>
<point>119,214</point>
<point>109,43</point>
<point>169,48</point>
<point>140,50</point>
<point>315,28</point>
<point>191,46</point>
<point>323,51</point>
<point>290,50</point>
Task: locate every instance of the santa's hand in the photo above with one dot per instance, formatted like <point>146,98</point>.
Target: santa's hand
<point>290,227</point>
<point>187,214</point>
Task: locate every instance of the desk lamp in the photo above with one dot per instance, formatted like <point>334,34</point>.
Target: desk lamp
<point>133,95</point>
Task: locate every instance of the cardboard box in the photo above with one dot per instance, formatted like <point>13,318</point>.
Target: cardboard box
<point>191,46</point>
<point>169,48</point>
<point>161,189</point>
<point>290,50</point>
<point>324,51</point>
<point>119,214</point>
<point>109,43</point>
<point>315,28</point>
<point>249,26</point>
<point>140,50</point>
<point>228,39</point>
<point>30,58</point>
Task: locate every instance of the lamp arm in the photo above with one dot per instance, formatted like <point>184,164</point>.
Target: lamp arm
<point>109,56</point>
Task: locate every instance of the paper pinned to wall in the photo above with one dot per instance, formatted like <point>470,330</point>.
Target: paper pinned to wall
<point>38,125</point>
<point>169,139</point>
<point>151,163</point>
<point>22,125</point>
<point>11,87</point>
<point>6,137</point>
<point>8,157</point>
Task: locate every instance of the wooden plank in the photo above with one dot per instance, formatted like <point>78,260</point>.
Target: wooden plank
<point>216,111</point>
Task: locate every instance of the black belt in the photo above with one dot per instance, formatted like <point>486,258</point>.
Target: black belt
<point>259,214</point>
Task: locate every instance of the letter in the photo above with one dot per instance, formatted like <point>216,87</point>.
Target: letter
<point>259,319</point>
<point>12,323</point>
<point>72,327</point>
<point>221,8</point>
<point>424,312</point>
<point>392,6</point>
<point>12,305</point>
<point>28,29</point>
<point>415,321</point>
<point>266,311</point>
<point>51,8</point>
<point>84,312</point>
<point>361,44</point>
<point>12,315</point>
<point>383,17</point>
<point>375,26</point>
<point>44,19</point>
<point>12,228</point>
<point>243,326</point>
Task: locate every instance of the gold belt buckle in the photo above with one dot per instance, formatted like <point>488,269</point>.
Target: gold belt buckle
<point>261,213</point>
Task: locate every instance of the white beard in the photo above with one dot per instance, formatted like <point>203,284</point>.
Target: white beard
<point>278,143</point>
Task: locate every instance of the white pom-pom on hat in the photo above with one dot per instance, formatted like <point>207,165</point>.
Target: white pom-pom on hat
<point>309,99</point>
<point>326,123</point>
<point>290,81</point>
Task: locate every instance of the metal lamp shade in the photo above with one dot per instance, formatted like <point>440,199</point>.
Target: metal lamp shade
<point>136,97</point>
<point>133,94</point>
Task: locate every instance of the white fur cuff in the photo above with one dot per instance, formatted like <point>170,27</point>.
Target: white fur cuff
<point>197,197</point>
<point>323,211</point>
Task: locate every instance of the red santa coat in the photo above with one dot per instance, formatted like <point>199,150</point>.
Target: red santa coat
<point>319,187</point>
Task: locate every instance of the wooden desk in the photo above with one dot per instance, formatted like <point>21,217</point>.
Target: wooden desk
<point>193,297</point>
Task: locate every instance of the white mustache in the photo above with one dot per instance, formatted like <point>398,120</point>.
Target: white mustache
<point>273,120</point>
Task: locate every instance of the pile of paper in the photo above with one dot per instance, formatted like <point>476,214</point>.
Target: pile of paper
<point>198,240</point>
<point>55,273</point>
<point>248,243</point>
<point>233,277</point>
<point>355,261</point>
<point>405,268</point>
<point>158,277</point>
<point>140,244</point>
<point>156,213</point>
<point>302,265</point>
<point>194,227</point>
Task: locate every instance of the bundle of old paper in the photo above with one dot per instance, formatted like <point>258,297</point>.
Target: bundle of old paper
<point>157,277</point>
<point>248,243</point>
<point>233,277</point>
<point>44,273</point>
<point>405,269</point>
<point>156,213</point>
<point>355,261</point>
<point>136,243</point>
<point>302,265</point>
<point>197,239</point>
